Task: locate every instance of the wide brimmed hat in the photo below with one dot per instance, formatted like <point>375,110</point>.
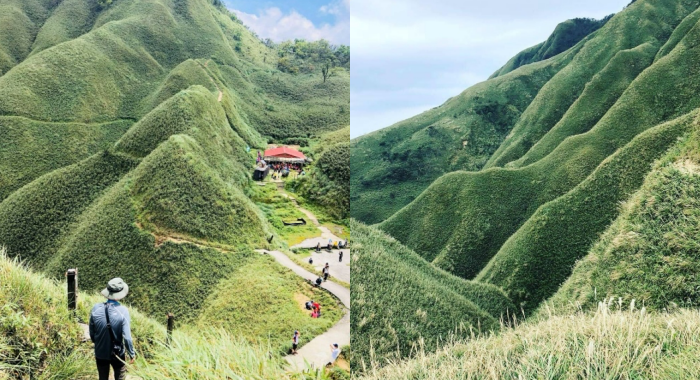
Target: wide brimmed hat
<point>116,289</point>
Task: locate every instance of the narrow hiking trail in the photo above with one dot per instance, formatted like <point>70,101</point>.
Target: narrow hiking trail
<point>317,352</point>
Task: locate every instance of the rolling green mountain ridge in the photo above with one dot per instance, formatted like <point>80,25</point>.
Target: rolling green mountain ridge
<point>127,138</point>
<point>610,120</point>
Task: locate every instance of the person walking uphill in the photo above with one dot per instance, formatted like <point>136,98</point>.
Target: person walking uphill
<point>110,330</point>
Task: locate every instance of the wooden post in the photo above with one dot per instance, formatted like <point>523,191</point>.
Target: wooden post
<point>72,280</point>
<point>171,321</point>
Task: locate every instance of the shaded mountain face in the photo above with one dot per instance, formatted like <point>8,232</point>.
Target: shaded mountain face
<point>582,141</point>
<point>126,128</point>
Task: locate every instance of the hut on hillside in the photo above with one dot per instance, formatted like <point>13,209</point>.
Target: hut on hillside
<point>285,154</point>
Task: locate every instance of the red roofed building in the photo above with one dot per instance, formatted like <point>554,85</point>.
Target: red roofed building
<point>284,154</point>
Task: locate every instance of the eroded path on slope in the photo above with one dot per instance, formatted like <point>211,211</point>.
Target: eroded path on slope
<point>317,352</point>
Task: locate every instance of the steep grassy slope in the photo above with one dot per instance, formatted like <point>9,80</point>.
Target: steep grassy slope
<point>93,65</point>
<point>401,302</point>
<point>536,259</point>
<point>39,338</point>
<point>604,345</point>
<point>642,22</point>
<point>128,131</point>
<point>392,166</point>
<point>464,218</point>
<point>649,254</point>
<point>565,35</point>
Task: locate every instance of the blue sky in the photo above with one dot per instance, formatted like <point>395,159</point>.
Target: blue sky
<point>411,55</point>
<point>289,19</point>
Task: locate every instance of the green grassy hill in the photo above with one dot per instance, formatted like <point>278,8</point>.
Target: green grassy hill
<point>565,35</point>
<point>620,115</point>
<point>649,253</point>
<point>391,167</point>
<point>127,136</point>
<point>463,219</point>
<point>400,302</point>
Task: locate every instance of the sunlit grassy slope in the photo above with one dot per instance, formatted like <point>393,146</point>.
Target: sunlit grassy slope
<point>39,337</point>
<point>126,131</point>
<point>619,115</point>
<point>606,344</point>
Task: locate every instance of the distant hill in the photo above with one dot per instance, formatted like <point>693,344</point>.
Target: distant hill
<point>128,128</point>
<point>565,35</point>
<point>615,113</point>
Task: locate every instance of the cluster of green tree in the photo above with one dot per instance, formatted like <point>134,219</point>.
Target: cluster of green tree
<point>300,56</point>
<point>327,181</point>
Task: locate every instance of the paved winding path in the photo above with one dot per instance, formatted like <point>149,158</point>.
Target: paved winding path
<point>317,352</point>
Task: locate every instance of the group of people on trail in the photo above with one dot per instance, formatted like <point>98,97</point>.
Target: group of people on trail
<point>335,349</point>
<point>315,308</point>
<point>342,244</point>
<point>283,169</point>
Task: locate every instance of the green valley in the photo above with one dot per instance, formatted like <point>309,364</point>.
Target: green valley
<point>128,138</point>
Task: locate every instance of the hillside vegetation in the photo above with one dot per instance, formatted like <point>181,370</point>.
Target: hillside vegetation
<point>606,344</point>
<point>400,302</point>
<point>127,134</point>
<point>616,124</point>
<point>326,182</point>
<point>565,35</point>
<point>40,339</point>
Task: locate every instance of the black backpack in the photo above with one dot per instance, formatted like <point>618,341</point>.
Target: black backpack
<point>117,347</point>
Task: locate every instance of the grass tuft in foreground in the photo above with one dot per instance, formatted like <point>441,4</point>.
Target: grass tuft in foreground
<point>606,344</point>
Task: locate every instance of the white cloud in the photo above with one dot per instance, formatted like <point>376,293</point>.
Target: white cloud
<point>274,24</point>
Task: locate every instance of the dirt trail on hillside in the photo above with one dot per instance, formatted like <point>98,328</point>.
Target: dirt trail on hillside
<point>317,352</point>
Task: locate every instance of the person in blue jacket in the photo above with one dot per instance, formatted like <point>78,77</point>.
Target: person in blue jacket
<point>111,346</point>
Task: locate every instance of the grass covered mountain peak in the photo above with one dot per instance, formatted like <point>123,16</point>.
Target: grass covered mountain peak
<point>518,181</point>
<point>129,132</point>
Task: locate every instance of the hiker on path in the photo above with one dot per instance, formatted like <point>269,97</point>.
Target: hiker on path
<point>340,256</point>
<point>319,281</point>
<point>325,272</point>
<point>335,352</point>
<point>110,330</point>
<point>295,342</point>
<point>318,247</point>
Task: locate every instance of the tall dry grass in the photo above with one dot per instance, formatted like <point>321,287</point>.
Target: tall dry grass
<point>610,343</point>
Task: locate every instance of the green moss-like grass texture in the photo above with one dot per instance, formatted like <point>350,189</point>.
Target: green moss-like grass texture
<point>126,129</point>
<point>400,301</point>
<point>649,254</point>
